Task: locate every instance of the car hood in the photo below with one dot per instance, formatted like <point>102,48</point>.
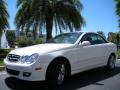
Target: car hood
<point>41,49</point>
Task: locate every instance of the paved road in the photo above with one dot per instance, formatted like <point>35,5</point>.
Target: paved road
<point>97,79</point>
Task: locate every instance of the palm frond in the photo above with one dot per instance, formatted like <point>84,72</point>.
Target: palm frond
<point>43,13</point>
<point>3,15</point>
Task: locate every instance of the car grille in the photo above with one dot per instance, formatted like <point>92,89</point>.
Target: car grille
<point>12,72</point>
<point>13,57</point>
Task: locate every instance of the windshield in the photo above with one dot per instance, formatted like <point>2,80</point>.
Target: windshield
<point>67,38</point>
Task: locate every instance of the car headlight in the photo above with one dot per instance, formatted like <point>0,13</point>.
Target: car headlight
<point>23,59</point>
<point>29,59</point>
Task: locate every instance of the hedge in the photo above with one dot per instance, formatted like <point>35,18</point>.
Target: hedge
<point>4,52</point>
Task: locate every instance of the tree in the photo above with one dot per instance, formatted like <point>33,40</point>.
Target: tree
<point>113,37</point>
<point>3,16</point>
<point>118,10</point>
<point>44,14</point>
<point>101,33</point>
<point>10,35</point>
<point>118,38</point>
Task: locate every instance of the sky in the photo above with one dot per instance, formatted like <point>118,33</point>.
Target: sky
<point>99,15</point>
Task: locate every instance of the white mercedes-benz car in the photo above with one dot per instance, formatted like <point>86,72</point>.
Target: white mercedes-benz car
<point>62,56</point>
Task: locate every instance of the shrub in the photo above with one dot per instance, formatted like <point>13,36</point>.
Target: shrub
<point>1,62</point>
<point>24,41</point>
<point>118,53</point>
<point>4,52</point>
<point>38,41</point>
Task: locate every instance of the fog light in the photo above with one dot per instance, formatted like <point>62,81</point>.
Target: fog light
<point>26,74</point>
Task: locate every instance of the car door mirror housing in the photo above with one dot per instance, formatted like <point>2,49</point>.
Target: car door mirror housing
<point>85,43</point>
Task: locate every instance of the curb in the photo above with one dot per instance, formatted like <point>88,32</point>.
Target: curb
<point>2,68</point>
<point>118,60</point>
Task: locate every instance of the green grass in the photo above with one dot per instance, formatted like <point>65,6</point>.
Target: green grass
<point>3,53</point>
<point>1,62</point>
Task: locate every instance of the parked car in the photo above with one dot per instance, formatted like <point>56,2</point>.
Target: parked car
<point>62,56</point>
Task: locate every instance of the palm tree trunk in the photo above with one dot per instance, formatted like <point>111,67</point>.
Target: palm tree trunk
<point>49,24</point>
<point>34,34</point>
<point>35,31</point>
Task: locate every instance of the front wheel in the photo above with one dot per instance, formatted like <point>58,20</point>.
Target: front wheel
<point>56,73</point>
<point>111,62</point>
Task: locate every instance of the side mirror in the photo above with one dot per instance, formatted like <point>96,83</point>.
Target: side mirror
<point>85,43</point>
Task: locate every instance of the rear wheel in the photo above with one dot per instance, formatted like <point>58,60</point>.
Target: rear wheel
<point>111,62</point>
<point>56,73</point>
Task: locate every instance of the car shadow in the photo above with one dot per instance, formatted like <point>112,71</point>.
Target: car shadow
<point>75,82</point>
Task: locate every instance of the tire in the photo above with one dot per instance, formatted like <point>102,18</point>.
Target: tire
<point>56,73</point>
<point>111,62</point>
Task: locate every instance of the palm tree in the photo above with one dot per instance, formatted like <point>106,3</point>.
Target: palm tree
<point>3,16</point>
<point>118,10</point>
<point>44,14</point>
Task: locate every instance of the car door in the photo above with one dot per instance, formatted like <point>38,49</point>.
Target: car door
<point>92,55</point>
<point>102,44</point>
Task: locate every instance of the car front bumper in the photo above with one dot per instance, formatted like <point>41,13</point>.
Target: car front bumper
<point>27,73</point>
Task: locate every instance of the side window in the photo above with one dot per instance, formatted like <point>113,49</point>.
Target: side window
<point>86,37</point>
<point>100,40</point>
<point>93,39</point>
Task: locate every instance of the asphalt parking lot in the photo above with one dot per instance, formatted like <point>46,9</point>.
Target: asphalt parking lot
<point>96,79</point>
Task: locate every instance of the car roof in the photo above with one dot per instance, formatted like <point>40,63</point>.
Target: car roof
<point>82,32</point>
